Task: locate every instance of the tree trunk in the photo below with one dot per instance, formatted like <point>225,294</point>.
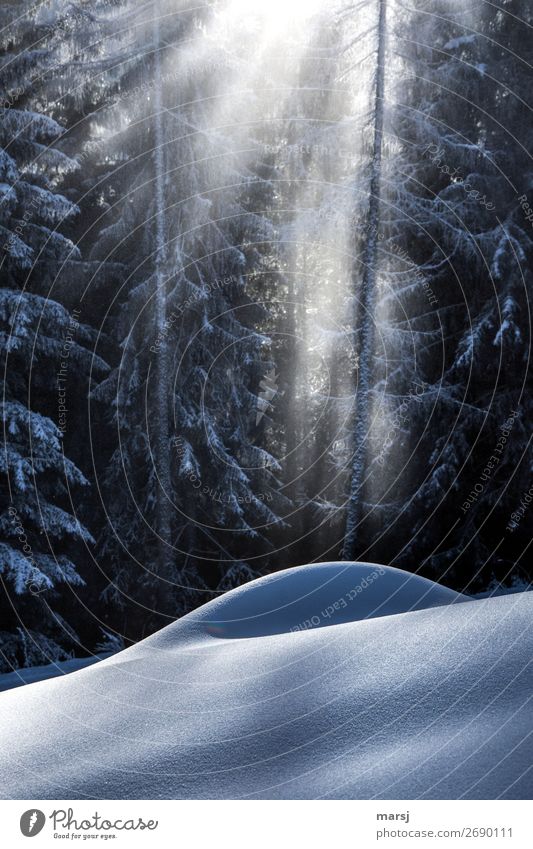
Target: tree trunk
<point>162,363</point>
<point>366,306</point>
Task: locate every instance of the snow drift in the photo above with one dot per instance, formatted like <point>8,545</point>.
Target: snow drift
<point>330,680</point>
<point>32,674</point>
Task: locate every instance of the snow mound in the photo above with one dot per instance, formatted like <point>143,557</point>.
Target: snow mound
<point>313,596</point>
<point>398,701</point>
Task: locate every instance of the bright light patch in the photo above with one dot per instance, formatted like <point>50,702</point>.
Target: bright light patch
<point>274,10</point>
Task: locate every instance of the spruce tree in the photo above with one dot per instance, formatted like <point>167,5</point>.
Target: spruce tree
<point>460,252</point>
<point>45,352</point>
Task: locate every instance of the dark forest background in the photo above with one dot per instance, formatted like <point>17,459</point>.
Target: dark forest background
<point>183,351</point>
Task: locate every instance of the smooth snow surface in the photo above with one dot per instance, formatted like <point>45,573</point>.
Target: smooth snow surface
<point>316,596</point>
<point>32,674</point>
<point>382,698</point>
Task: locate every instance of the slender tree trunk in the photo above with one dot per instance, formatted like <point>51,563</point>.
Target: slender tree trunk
<point>161,359</point>
<point>367,305</point>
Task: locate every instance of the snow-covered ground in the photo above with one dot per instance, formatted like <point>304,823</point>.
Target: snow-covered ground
<point>20,677</point>
<point>330,680</point>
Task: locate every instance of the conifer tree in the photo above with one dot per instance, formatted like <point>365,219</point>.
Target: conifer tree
<point>45,349</point>
<point>461,249</point>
